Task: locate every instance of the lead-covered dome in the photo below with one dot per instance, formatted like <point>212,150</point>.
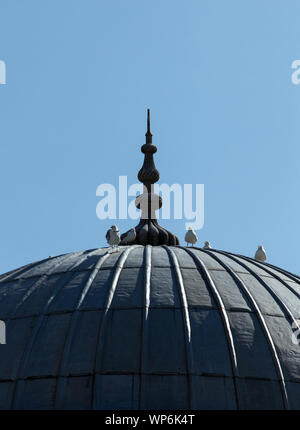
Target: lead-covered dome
<point>149,328</point>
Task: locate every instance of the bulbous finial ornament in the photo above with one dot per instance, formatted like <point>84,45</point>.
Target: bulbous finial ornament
<point>148,231</point>
<point>148,174</point>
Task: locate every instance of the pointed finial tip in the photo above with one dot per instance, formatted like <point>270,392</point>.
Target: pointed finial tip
<point>148,133</point>
<point>148,120</point>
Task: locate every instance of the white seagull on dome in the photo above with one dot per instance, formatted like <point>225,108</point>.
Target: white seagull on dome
<point>260,254</point>
<point>113,236</point>
<point>190,237</point>
<point>207,245</point>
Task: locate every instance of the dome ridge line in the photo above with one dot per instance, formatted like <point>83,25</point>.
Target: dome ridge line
<point>28,348</point>
<point>189,356</point>
<point>272,274</point>
<point>62,370</point>
<point>263,324</point>
<point>36,284</point>
<point>10,276</point>
<point>145,329</point>
<point>273,293</point>
<point>19,387</point>
<point>264,264</point>
<point>102,325</point>
<point>224,317</point>
<point>284,307</point>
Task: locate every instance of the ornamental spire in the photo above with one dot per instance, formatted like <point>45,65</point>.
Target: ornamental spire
<point>148,231</point>
<point>148,174</point>
<point>148,134</point>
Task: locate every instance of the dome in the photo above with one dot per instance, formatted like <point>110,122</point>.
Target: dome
<point>149,324</point>
<point>149,327</point>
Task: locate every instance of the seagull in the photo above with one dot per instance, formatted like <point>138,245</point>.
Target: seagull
<point>206,245</point>
<point>130,237</point>
<point>260,254</point>
<point>190,237</point>
<point>113,236</point>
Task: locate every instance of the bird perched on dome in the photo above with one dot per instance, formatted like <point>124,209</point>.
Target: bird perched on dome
<point>130,237</point>
<point>207,245</point>
<point>190,237</point>
<point>113,236</point>
<point>260,254</point>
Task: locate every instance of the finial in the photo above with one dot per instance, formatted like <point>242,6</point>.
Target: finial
<point>148,231</point>
<point>148,122</point>
<point>148,174</point>
<point>148,133</point>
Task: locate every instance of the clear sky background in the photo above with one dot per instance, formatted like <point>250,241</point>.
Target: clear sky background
<point>217,77</point>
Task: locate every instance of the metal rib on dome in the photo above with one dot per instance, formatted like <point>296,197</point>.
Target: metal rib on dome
<point>150,328</point>
<point>18,389</point>
<point>62,380</point>
<point>148,231</point>
<point>102,332</point>
<point>267,265</point>
<point>220,305</point>
<point>242,285</point>
<point>281,303</point>
<point>144,328</point>
<point>273,273</point>
<point>187,329</point>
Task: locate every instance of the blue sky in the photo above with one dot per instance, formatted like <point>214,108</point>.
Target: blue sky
<point>217,77</point>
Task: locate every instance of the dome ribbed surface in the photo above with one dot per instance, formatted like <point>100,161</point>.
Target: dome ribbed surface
<point>150,328</point>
